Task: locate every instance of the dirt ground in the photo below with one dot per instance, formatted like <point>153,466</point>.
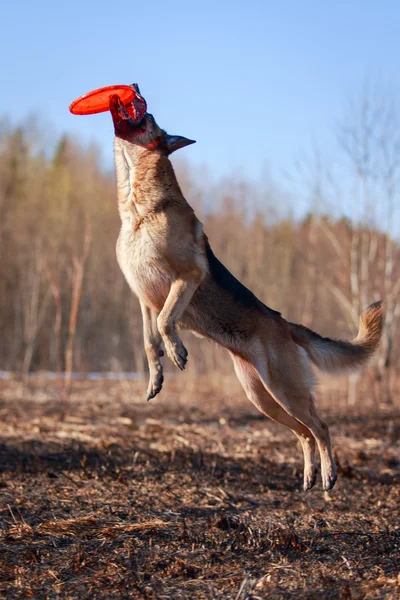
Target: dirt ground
<point>193,495</point>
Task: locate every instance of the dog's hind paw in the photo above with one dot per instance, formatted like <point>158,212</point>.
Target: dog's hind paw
<point>309,480</point>
<point>328,480</point>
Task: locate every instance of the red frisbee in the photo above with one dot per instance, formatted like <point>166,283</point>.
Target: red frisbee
<point>97,101</point>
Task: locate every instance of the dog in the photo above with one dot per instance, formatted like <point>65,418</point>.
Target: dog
<point>168,262</point>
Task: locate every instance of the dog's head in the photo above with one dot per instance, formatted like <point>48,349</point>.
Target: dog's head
<point>134,124</point>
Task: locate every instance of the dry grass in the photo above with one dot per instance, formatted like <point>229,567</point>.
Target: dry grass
<point>193,495</point>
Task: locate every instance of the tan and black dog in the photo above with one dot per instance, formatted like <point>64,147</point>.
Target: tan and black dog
<point>169,264</point>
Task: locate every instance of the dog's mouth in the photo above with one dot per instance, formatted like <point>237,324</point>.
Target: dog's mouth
<point>128,118</point>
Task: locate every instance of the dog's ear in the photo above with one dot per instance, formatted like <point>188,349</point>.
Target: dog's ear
<point>175,142</point>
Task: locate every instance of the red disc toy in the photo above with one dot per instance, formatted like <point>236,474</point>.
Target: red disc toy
<point>98,101</point>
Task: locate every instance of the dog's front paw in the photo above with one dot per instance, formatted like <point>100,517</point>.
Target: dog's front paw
<point>177,352</point>
<point>155,384</point>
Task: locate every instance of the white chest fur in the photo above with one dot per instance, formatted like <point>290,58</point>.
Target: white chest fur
<point>142,266</point>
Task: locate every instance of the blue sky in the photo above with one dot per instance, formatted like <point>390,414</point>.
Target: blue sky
<point>253,82</point>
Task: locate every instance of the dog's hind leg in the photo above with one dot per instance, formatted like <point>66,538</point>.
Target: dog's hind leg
<point>289,379</point>
<point>258,395</point>
<point>306,412</point>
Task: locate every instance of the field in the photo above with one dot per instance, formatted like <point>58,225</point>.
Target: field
<point>193,495</point>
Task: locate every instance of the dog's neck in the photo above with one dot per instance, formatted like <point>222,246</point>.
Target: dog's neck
<point>145,180</point>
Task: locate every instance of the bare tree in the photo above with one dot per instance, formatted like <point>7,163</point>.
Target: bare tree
<point>34,303</point>
<point>78,270</point>
<point>54,280</point>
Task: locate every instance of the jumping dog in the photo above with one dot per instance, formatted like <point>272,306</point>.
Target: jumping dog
<point>168,262</point>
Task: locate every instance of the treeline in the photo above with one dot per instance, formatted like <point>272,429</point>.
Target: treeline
<point>64,304</point>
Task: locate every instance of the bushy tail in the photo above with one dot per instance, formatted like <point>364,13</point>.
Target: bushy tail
<point>337,355</point>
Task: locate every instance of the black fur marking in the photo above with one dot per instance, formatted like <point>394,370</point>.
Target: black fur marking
<point>224,278</point>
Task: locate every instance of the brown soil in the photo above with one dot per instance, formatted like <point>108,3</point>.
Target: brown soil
<point>193,495</point>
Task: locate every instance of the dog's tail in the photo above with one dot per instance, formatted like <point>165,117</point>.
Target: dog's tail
<point>338,355</point>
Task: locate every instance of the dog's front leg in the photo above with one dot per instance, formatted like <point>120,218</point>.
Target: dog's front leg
<point>152,345</point>
<point>179,296</point>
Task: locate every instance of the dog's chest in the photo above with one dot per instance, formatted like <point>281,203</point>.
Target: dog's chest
<point>143,266</point>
